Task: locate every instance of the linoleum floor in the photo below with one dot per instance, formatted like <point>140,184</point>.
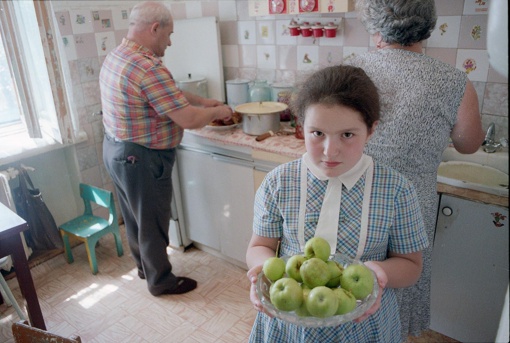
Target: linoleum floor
<point>115,305</point>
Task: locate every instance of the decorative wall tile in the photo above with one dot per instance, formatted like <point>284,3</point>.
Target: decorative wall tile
<point>105,42</point>
<point>88,69</point>
<point>69,47</point>
<point>287,57</point>
<point>446,33</point>
<point>85,45</point>
<point>473,32</point>
<point>266,32</point>
<point>102,21</point>
<point>474,62</point>
<point>307,57</point>
<point>450,7</point>
<point>230,54</point>
<point>306,40</point>
<point>476,7</point>
<point>64,23</point>
<point>266,57</point>
<point>227,10</point>
<point>282,33</point>
<point>81,21</point>
<point>246,32</point>
<point>351,51</point>
<point>330,55</point>
<point>120,17</point>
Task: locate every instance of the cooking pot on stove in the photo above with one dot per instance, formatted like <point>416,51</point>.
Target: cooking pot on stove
<point>261,117</point>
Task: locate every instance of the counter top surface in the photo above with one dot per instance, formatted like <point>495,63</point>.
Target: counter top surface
<point>287,145</point>
<point>290,146</point>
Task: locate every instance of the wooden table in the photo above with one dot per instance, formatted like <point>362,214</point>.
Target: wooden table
<point>11,225</point>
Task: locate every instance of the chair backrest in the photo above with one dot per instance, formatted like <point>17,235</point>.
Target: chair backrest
<point>24,333</point>
<point>99,196</point>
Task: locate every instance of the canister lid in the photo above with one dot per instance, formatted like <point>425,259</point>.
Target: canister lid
<point>237,81</point>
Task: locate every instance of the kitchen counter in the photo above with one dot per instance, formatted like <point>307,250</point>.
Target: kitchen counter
<point>290,146</point>
<point>287,145</point>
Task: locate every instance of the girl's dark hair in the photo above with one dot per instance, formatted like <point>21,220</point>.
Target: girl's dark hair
<point>338,85</point>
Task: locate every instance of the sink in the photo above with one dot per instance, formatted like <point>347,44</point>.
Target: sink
<point>474,176</point>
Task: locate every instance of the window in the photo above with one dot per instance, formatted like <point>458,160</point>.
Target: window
<point>28,116</point>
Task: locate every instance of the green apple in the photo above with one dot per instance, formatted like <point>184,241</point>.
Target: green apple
<point>346,301</point>
<point>274,268</point>
<point>315,272</point>
<point>302,311</point>
<point>286,294</point>
<point>322,302</point>
<point>317,247</point>
<point>358,279</point>
<point>336,270</point>
<point>293,265</point>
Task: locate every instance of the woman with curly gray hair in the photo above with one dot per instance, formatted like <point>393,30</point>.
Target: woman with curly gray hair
<point>424,103</point>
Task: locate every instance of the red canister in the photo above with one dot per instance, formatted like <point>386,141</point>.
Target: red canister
<point>306,30</point>
<point>318,30</point>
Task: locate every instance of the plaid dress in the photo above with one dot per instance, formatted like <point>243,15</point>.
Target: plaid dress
<point>395,224</point>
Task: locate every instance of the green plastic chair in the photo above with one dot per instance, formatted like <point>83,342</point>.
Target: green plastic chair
<point>89,228</point>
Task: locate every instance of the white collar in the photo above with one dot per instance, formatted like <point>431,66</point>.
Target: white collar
<point>348,178</point>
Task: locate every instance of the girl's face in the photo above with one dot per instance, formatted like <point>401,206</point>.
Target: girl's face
<point>334,137</point>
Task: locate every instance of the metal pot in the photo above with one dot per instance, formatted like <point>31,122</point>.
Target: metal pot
<point>261,117</point>
<point>196,85</point>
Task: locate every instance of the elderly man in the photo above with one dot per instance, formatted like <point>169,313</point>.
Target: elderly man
<point>144,116</point>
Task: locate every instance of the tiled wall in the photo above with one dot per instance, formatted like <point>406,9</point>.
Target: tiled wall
<point>261,47</point>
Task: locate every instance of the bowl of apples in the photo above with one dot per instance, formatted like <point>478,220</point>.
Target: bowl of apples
<point>316,289</point>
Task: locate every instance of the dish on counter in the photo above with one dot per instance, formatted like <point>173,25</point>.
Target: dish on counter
<point>263,285</point>
<point>221,127</point>
<point>219,124</point>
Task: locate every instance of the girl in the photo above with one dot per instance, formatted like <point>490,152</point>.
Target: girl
<point>365,210</point>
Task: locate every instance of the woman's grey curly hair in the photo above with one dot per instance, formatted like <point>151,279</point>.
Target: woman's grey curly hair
<point>404,22</point>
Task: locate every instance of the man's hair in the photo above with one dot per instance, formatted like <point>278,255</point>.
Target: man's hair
<point>148,13</point>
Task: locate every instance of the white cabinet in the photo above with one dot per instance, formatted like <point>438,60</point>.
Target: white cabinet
<point>469,269</point>
<point>217,197</point>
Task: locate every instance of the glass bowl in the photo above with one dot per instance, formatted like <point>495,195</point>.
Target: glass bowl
<point>263,284</point>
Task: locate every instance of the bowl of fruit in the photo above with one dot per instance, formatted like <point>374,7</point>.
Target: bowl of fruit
<point>316,289</point>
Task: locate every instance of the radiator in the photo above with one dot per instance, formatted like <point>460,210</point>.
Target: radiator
<point>7,200</point>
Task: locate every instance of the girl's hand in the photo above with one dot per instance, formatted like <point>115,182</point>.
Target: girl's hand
<point>382,280</point>
<point>252,276</point>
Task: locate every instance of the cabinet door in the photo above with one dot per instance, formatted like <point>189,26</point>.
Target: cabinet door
<point>235,197</point>
<point>198,187</point>
<point>217,194</point>
<point>469,269</point>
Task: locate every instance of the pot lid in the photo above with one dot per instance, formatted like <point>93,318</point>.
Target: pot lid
<point>265,107</point>
<point>191,79</point>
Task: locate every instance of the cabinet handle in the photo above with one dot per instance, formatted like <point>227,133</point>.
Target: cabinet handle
<point>447,211</point>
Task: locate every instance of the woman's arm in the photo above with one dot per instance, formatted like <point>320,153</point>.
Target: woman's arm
<point>467,134</point>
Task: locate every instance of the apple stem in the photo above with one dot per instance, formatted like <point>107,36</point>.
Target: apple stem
<point>278,248</point>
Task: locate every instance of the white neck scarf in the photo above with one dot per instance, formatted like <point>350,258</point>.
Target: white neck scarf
<point>327,226</point>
